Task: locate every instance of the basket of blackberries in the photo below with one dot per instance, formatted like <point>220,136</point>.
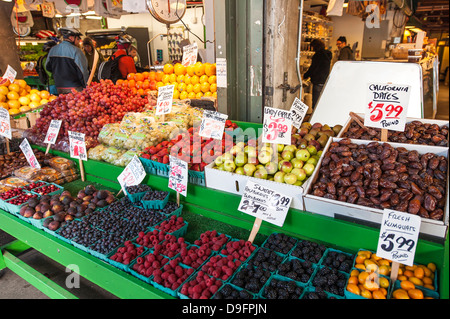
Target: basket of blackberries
<point>155,199</point>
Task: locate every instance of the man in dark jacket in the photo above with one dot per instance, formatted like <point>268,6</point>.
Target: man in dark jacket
<point>68,63</point>
<point>320,68</point>
<point>345,52</point>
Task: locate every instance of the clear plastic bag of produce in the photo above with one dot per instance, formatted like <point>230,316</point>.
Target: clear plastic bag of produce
<point>13,182</point>
<point>60,163</point>
<point>27,172</point>
<point>107,133</point>
<point>126,158</point>
<point>112,154</point>
<point>96,153</point>
<point>49,174</point>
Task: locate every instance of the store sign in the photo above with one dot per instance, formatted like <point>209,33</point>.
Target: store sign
<point>190,53</point>
<point>165,100</point>
<point>5,123</point>
<point>221,73</point>
<point>277,128</point>
<point>213,125</point>
<point>387,106</point>
<point>29,154</point>
<point>298,110</point>
<point>398,237</point>
<point>264,203</point>
<point>77,145</point>
<point>133,174</point>
<point>10,74</point>
<point>48,9</point>
<point>178,177</point>
<point>52,132</point>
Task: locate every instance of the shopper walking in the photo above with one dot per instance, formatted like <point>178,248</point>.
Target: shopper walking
<point>68,63</point>
<point>90,51</point>
<point>345,53</point>
<point>125,62</point>
<point>45,76</point>
<point>319,70</point>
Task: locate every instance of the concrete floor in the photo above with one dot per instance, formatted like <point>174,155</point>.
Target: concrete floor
<point>14,287</point>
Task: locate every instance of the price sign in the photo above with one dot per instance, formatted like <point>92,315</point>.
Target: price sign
<point>77,146</point>
<point>10,74</point>
<point>398,237</point>
<point>277,127</point>
<point>387,106</point>
<point>264,203</point>
<point>52,132</point>
<point>165,100</point>
<point>221,72</point>
<point>29,154</point>
<point>5,123</point>
<point>190,53</point>
<point>178,177</point>
<point>213,125</point>
<point>133,174</point>
<point>298,110</point>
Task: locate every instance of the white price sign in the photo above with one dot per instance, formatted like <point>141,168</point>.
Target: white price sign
<point>52,132</point>
<point>77,145</point>
<point>5,123</point>
<point>221,73</point>
<point>387,106</point>
<point>190,53</point>
<point>264,203</point>
<point>165,100</point>
<point>277,127</point>
<point>29,154</point>
<point>178,177</point>
<point>213,125</point>
<point>398,237</point>
<point>10,74</point>
<point>133,174</point>
<point>298,111</point>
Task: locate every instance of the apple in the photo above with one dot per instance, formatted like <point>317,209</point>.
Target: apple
<point>279,177</point>
<point>220,167</point>
<point>227,156</point>
<point>271,168</point>
<point>268,149</point>
<point>301,175</point>
<point>298,183</point>
<point>229,165</point>
<point>219,160</point>
<point>251,151</point>
<point>264,156</point>
<point>280,148</point>
<point>287,167</point>
<point>235,149</point>
<point>312,160</point>
<point>311,149</point>
<point>241,159</point>
<point>309,169</point>
<point>287,155</point>
<point>302,155</point>
<point>290,148</point>
<point>290,178</point>
<point>280,163</point>
<point>241,145</point>
<point>297,172</point>
<point>259,166</point>
<point>249,169</point>
<point>240,171</point>
<point>297,163</point>
<point>260,173</point>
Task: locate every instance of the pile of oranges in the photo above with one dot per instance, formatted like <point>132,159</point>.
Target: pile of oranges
<point>191,82</point>
<point>18,97</point>
<point>367,284</point>
<point>413,277</point>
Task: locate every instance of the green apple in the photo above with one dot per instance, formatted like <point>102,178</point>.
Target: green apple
<point>301,175</point>
<point>312,160</point>
<point>241,145</point>
<point>227,156</point>
<point>220,168</point>
<point>298,183</point>
<point>297,172</point>
<point>260,173</point>
<point>249,169</point>
<point>240,171</point>
<point>309,169</point>
<point>241,159</point>
<point>264,156</point>
<point>280,148</point>
<point>219,160</point>
<point>271,168</point>
<point>311,149</point>
<point>259,166</point>
<point>290,178</point>
<point>290,148</point>
<point>268,149</point>
<point>229,165</point>
<point>287,167</point>
<point>287,155</point>
<point>303,155</point>
<point>251,151</point>
<point>279,177</point>
<point>297,163</point>
<point>235,149</point>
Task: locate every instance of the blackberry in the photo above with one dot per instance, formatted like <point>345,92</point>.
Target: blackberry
<point>265,258</point>
<point>230,292</point>
<point>251,279</point>
<point>155,195</point>
<point>137,189</point>
<point>282,289</point>
<point>308,250</point>
<point>296,269</point>
<point>339,260</point>
<point>330,280</point>
<point>280,242</point>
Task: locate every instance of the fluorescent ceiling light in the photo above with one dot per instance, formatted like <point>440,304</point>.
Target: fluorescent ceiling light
<point>345,5</point>
<point>93,17</point>
<point>174,6</point>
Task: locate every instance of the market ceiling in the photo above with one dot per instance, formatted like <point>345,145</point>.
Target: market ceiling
<point>433,15</point>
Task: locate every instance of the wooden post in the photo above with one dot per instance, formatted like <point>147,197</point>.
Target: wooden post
<point>48,148</point>
<point>255,230</point>
<point>81,169</point>
<point>178,199</point>
<point>8,150</point>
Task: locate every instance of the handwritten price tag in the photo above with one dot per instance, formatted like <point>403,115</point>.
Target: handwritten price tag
<point>5,123</point>
<point>52,132</point>
<point>77,145</point>
<point>398,237</point>
<point>10,74</point>
<point>221,72</point>
<point>190,53</point>
<point>277,128</point>
<point>264,203</point>
<point>133,174</point>
<point>213,125</point>
<point>387,106</point>
<point>29,154</point>
<point>178,177</point>
<point>165,100</point>
<point>298,110</point>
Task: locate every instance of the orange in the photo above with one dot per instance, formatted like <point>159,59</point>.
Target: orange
<point>191,96</point>
<point>354,289</point>
<point>182,87</point>
<point>146,84</point>
<point>2,97</point>
<point>176,94</point>
<point>23,92</point>
<point>34,105</point>
<point>190,70</point>
<point>43,101</point>
<point>159,84</point>
<point>139,77</point>
<point>145,74</point>
<point>400,294</point>
<point>23,100</point>
<point>4,82</point>
<point>175,85</point>
<point>189,88</point>
<point>378,294</point>
<point>205,87</point>
<point>187,79</point>
<point>14,111</point>
<point>195,80</point>
<point>140,92</point>
<point>24,108</point>
<point>199,95</point>
<point>180,79</point>
<point>407,285</point>
<point>22,83</point>
<point>212,79</point>
<point>14,87</point>
<point>415,294</point>
<point>131,84</point>
<point>179,69</point>
<point>199,69</point>
<point>173,78</point>
<point>204,79</point>
<point>213,87</point>
<point>168,68</point>
<point>214,95</point>
<point>139,84</point>
<point>197,88</point>
<point>3,90</point>
<point>130,76</point>
<point>52,98</point>
<point>210,69</point>
<point>208,94</point>
<point>165,79</point>
<point>119,82</point>
<point>183,95</point>
<point>152,76</point>
<point>4,105</point>
<point>13,95</point>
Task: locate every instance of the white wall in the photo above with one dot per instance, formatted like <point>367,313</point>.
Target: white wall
<point>155,28</point>
<point>351,27</point>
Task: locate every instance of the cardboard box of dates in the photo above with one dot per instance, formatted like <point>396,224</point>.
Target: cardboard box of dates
<point>403,177</point>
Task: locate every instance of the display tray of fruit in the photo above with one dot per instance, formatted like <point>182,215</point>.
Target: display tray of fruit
<point>417,131</point>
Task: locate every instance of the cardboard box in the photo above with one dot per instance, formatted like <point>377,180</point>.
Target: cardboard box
<point>323,206</point>
<point>32,117</point>
<point>21,123</point>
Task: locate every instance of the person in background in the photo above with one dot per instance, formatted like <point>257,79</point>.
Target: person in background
<point>45,76</point>
<point>319,70</point>
<point>67,62</point>
<point>89,51</point>
<point>126,62</point>
<point>133,52</point>
<point>345,53</point>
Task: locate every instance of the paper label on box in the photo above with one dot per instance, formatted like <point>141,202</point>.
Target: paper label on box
<point>265,203</point>
<point>77,145</point>
<point>133,174</point>
<point>5,123</point>
<point>10,74</point>
<point>298,111</point>
<point>398,237</point>
<point>387,106</point>
<point>165,100</point>
<point>29,154</point>
<point>213,125</point>
<point>277,128</point>
<point>52,132</point>
<point>178,177</point>
<point>190,53</point>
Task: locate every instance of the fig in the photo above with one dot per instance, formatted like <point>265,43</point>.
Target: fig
<point>37,215</point>
<point>102,203</point>
<point>47,222</point>
<point>69,217</point>
<point>72,211</point>
<point>90,189</point>
<point>47,213</point>
<point>102,194</point>
<point>22,210</point>
<point>29,212</point>
<point>33,202</point>
<point>57,208</point>
<point>53,225</point>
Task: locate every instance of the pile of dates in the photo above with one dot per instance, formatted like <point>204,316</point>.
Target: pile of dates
<point>380,176</point>
<point>415,132</point>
